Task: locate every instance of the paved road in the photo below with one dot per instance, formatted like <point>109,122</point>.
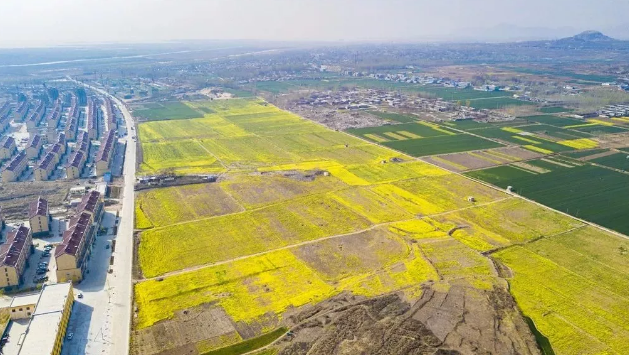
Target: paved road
<point>123,254</point>
<point>112,334</point>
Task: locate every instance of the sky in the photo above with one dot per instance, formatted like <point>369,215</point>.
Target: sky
<point>26,23</point>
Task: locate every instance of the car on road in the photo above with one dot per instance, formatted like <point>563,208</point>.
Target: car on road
<point>70,336</point>
<point>80,295</point>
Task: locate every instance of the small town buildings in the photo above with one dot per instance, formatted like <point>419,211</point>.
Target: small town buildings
<point>48,313</point>
<point>105,152</point>
<point>7,147</point>
<point>14,253</point>
<point>15,168</point>
<point>110,115</point>
<point>2,221</point>
<point>34,146</point>
<point>75,165</point>
<point>39,217</point>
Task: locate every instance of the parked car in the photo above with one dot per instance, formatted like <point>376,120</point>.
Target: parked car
<point>41,271</point>
<point>46,253</point>
<point>107,246</point>
<point>80,295</point>
<point>70,336</point>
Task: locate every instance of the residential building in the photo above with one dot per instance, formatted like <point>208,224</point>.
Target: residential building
<point>19,115</point>
<point>103,157</point>
<point>45,167</point>
<point>23,306</point>
<point>2,221</point>
<point>5,120</point>
<point>53,117</point>
<point>57,150</point>
<point>33,148</point>
<point>110,115</point>
<point>92,119</point>
<point>72,126</point>
<point>83,142</point>
<point>72,254</point>
<point>39,217</point>
<point>61,140</point>
<point>35,117</point>
<point>75,165</point>
<point>92,203</point>
<point>7,147</point>
<point>14,253</point>
<point>15,168</point>
<point>48,322</point>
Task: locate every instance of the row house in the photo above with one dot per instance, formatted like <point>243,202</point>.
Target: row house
<point>75,164</point>
<point>72,126</point>
<point>110,115</point>
<point>7,147</point>
<point>72,254</point>
<point>83,142</point>
<point>39,218</point>
<point>34,146</point>
<point>14,253</point>
<point>45,167</point>
<point>15,168</point>
<point>5,108</point>
<point>92,119</point>
<point>19,115</point>
<point>103,157</point>
<point>53,117</point>
<point>35,117</point>
<point>5,121</point>
<point>61,140</point>
<point>74,109</point>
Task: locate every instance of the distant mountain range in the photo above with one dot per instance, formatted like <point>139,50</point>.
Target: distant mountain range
<point>593,40</point>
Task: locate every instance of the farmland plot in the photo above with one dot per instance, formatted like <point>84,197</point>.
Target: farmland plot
<point>275,236</point>
<point>589,192</point>
<point>574,287</point>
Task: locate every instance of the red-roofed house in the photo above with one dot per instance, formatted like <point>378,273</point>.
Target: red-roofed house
<point>72,254</point>
<point>13,255</point>
<point>7,147</point>
<point>39,217</point>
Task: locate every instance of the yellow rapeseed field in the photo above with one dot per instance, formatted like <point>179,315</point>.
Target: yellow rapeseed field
<point>277,232</point>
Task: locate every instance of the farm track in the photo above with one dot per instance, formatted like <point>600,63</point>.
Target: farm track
<point>314,241</point>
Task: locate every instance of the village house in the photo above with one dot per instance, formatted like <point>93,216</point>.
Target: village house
<point>45,167</point>
<point>39,218</point>
<point>14,253</point>
<point>19,115</point>
<point>75,165</point>
<point>103,157</point>
<point>15,168</point>
<point>7,147</point>
<point>33,148</point>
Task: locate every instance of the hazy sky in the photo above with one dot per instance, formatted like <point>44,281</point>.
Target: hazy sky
<point>41,22</point>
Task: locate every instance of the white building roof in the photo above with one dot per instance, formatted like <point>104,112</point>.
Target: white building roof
<point>41,334</point>
<point>23,300</point>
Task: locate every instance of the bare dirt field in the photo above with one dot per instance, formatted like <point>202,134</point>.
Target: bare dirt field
<point>460,318</point>
<point>15,196</point>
